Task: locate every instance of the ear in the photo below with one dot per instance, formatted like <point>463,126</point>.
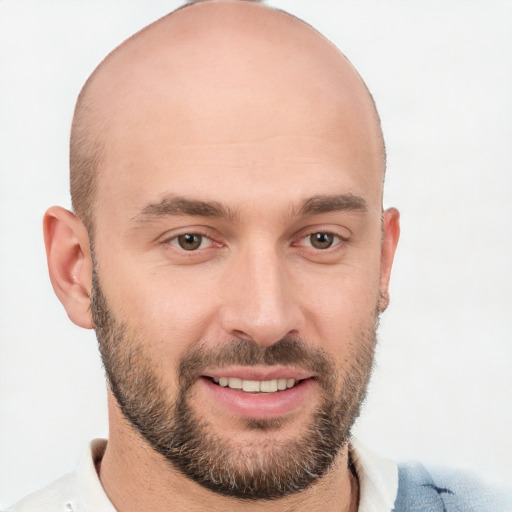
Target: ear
<point>390,236</point>
<point>69,263</point>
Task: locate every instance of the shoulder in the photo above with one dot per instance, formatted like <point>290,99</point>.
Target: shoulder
<point>443,490</point>
<point>78,491</point>
<point>57,497</point>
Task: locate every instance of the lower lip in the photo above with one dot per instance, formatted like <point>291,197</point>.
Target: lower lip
<point>260,405</point>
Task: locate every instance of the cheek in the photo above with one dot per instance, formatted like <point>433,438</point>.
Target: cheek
<point>168,310</point>
<point>341,306</point>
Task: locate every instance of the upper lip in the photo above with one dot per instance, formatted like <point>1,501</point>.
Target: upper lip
<point>260,373</point>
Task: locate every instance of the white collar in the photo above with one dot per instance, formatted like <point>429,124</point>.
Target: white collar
<point>90,494</point>
<point>378,480</point>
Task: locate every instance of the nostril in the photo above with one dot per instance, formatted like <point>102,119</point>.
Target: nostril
<point>241,335</point>
<point>261,326</point>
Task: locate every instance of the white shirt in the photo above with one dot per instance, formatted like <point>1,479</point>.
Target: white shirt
<point>81,490</point>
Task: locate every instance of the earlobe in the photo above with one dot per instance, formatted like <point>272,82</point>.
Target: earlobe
<point>390,236</point>
<point>69,263</point>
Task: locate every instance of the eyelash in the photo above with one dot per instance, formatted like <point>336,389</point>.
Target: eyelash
<point>335,243</point>
<point>174,240</point>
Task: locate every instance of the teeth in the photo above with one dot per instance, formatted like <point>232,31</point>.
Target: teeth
<point>268,386</point>
<point>255,386</point>
<point>252,386</point>
<point>235,383</point>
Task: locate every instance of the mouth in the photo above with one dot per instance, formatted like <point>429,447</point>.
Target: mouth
<point>259,393</point>
<point>256,386</point>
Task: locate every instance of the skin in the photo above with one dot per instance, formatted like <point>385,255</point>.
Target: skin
<point>280,117</point>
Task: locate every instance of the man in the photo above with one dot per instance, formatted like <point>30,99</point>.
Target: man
<point>230,249</point>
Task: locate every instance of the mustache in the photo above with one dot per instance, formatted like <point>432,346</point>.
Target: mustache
<point>285,352</point>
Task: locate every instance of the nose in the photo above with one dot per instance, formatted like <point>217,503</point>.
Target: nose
<point>260,299</point>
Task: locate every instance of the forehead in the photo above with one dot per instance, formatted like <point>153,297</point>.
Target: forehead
<point>247,110</point>
<point>263,179</point>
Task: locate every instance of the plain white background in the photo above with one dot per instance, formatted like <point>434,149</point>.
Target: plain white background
<point>441,74</point>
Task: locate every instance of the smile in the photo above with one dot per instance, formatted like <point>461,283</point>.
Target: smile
<point>256,386</point>
<point>259,392</point>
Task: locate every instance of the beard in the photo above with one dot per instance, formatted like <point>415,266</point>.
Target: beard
<point>263,470</point>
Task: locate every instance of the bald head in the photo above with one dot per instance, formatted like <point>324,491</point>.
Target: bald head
<point>217,73</point>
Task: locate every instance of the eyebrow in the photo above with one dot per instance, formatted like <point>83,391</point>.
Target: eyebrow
<point>178,205</point>
<point>336,203</point>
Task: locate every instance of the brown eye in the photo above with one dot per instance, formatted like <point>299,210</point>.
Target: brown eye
<point>321,240</point>
<point>190,241</point>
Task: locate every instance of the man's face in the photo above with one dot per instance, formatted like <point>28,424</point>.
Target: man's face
<point>238,245</point>
<point>190,301</point>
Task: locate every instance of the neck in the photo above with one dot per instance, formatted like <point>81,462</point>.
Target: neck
<point>135,478</point>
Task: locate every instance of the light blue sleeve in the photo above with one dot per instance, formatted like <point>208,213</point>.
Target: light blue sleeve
<point>420,490</point>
